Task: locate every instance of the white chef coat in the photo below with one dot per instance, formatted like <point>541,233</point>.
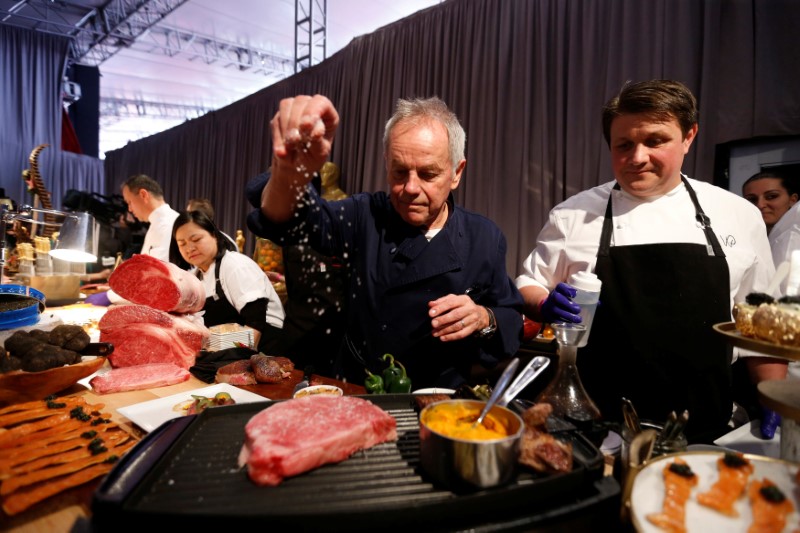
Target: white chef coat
<point>159,234</point>
<point>569,241</point>
<point>784,239</point>
<point>243,282</point>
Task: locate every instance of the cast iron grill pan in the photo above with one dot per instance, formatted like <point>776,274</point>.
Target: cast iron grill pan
<point>187,469</point>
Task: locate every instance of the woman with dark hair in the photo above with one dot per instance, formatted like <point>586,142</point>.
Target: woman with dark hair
<point>772,193</point>
<point>237,290</point>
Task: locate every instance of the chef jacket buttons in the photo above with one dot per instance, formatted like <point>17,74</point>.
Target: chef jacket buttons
<point>384,327</point>
<point>393,250</point>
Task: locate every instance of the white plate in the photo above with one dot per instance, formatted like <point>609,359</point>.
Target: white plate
<point>648,493</point>
<point>434,390</point>
<point>748,439</point>
<point>151,414</point>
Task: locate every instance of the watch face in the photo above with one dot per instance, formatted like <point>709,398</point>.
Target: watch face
<point>487,331</point>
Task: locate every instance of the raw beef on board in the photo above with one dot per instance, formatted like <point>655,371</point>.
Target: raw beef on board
<point>192,332</point>
<point>138,378</point>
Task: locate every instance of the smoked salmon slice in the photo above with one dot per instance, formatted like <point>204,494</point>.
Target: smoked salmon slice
<point>770,507</point>
<point>734,471</point>
<point>678,482</point>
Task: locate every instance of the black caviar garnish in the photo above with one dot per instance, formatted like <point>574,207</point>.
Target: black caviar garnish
<point>758,298</point>
<point>98,421</point>
<point>96,446</point>
<point>734,460</point>
<point>55,405</point>
<point>773,494</point>
<point>789,300</point>
<point>681,470</point>
<point>79,414</point>
<point>112,459</point>
<point>89,434</point>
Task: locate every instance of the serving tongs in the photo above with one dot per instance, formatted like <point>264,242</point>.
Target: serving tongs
<point>535,367</point>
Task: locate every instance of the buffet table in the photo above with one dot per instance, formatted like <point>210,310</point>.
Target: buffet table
<point>70,511</point>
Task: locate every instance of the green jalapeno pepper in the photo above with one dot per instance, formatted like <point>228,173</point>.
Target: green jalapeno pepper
<point>391,372</point>
<point>373,383</point>
<point>402,383</point>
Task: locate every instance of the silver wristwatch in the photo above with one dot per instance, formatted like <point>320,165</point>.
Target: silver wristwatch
<point>489,330</point>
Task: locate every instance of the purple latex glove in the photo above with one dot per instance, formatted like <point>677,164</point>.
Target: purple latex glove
<point>98,298</point>
<point>770,420</point>
<point>559,307</point>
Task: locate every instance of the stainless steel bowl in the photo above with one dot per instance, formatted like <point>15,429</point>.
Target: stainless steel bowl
<point>471,463</point>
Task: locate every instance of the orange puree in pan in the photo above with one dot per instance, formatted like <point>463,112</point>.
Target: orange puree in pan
<point>455,421</point>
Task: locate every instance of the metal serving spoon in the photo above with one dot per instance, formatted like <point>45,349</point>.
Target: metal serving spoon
<point>502,383</point>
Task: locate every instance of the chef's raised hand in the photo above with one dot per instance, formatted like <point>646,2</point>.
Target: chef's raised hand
<point>559,307</point>
<point>770,420</point>
<point>302,134</point>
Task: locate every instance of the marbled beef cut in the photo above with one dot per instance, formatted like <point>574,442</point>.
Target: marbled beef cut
<point>145,280</point>
<point>298,435</point>
<point>143,344</point>
<point>138,378</point>
<point>192,332</point>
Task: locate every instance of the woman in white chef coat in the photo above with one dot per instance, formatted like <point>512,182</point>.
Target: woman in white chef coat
<point>237,290</point>
<point>673,255</point>
<point>776,196</point>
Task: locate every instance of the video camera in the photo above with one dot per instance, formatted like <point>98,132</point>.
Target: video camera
<point>105,209</point>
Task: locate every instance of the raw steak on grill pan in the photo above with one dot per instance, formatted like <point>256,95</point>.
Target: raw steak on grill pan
<point>298,435</point>
<point>145,280</point>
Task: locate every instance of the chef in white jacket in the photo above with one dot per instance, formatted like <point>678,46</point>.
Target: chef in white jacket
<point>145,200</point>
<point>673,255</point>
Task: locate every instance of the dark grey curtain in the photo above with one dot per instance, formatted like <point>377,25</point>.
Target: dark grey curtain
<point>32,65</point>
<point>528,79</point>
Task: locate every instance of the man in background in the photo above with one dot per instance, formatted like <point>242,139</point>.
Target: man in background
<point>145,200</point>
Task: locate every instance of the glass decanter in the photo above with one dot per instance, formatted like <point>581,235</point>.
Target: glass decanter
<point>565,392</point>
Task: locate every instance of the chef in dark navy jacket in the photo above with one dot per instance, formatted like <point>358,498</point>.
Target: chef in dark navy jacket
<point>427,281</point>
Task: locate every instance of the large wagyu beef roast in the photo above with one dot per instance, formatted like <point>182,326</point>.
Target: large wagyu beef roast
<point>145,280</point>
<point>142,335</point>
<point>142,344</point>
<point>298,435</point>
<point>190,329</point>
<point>138,378</point>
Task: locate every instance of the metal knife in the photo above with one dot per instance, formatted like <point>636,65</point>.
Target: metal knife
<point>307,372</point>
<point>98,348</point>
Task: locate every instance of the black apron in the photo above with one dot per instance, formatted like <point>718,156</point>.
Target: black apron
<point>218,310</point>
<point>652,339</point>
